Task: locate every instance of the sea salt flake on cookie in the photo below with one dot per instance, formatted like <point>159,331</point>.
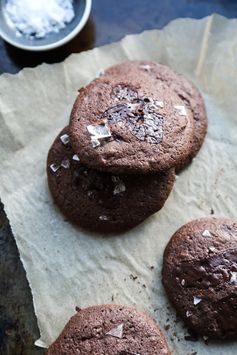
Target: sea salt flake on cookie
<point>188,314</point>
<point>181,110</point>
<point>54,167</point>
<point>95,142</point>
<point>196,300</point>
<point>116,332</point>
<point>206,233</point>
<point>65,164</point>
<point>76,157</point>
<point>65,139</point>
<point>99,131</point>
<point>104,218</point>
<point>145,67</point>
<point>233,277</point>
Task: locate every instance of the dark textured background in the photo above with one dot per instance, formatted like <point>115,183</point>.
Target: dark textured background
<point>110,20</point>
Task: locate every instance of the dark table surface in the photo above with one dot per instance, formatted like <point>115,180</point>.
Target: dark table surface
<point>110,21</point>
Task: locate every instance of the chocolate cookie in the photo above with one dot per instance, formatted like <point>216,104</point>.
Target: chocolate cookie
<point>188,93</point>
<point>200,276</point>
<point>110,330</point>
<point>101,201</point>
<point>134,125</point>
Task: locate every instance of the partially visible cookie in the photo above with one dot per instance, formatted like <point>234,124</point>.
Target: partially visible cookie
<point>110,330</point>
<point>188,93</point>
<point>200,276</point>
<point>131,125</point>
<point>100,201</point>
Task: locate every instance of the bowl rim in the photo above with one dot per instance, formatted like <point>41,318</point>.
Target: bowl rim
<point>59,43</point>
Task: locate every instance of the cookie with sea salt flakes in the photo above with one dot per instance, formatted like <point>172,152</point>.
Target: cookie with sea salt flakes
<point>200,276</point>
<point>110,329</point>
<point>100,201</point>
<point>186,90</point>
<point>130,125</point>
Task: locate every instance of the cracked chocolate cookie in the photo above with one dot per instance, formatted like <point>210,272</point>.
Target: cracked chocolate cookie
<point>200,276</point>
<point>100,201</point>
<point>187,92</point>
<point>110,330</point>
<point>135,125</point>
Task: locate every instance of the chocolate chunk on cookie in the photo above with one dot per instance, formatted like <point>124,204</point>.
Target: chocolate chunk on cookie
<point>131,125</point>
<point>110,330</point>
<point>100,201</point>
<point>187,92</point>
<point>200,276</point>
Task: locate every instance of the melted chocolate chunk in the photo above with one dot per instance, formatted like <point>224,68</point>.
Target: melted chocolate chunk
<point>142,118</point>
<point>210,272</point>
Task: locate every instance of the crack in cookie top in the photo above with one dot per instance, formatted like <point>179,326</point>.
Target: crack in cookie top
<point>140,115</point>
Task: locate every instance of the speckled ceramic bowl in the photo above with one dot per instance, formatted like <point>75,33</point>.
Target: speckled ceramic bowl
<point>82,10</point>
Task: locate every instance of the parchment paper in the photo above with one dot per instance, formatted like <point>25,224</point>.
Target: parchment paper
<point>67,266</point>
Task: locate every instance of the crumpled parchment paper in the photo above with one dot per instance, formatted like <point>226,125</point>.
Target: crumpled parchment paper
<point>67,266</point>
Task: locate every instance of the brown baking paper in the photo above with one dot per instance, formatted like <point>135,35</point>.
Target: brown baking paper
<point>67,266</point>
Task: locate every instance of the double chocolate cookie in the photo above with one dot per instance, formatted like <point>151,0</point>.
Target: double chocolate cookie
<point>110,330</point>
<point>131,125</point>
<point>100,201</point>
<point>188,93</point>
<point>200,276</point>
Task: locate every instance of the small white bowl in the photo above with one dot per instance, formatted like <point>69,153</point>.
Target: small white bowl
<point>82,9</point>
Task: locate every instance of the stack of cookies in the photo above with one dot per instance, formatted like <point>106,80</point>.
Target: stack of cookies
<point>130,130</point>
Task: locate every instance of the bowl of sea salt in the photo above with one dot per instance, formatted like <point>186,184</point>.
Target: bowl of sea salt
<point>40,25</point>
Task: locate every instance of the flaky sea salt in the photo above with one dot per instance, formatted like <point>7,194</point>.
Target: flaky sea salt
<point>181,110</point>
<point>97,132</point>
<point>188,314</point>
<point>76,157</point>
<point>95,142</point>
<point>104,218</point>
<point>54,167</point>
<point>206,233</point>
<point>159,103</point>
<point>233,277</point>
<point>120,187</point>
<point>65,164</point>
<point>36,19</point>
<point>116,332</point>
<point>145,67</point>
<point>64,139</point>
<point>196,300</point>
